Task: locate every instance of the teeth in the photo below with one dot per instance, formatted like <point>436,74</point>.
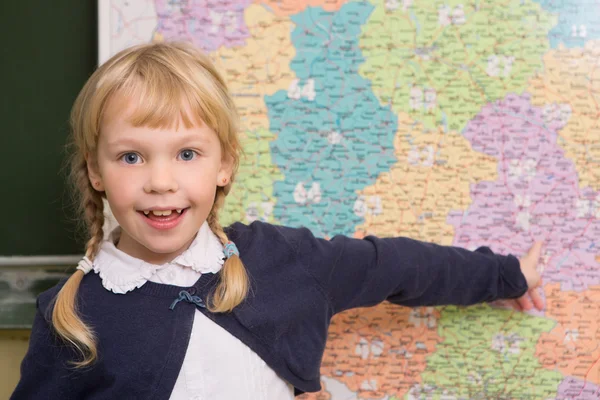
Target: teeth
<point>162,213</point>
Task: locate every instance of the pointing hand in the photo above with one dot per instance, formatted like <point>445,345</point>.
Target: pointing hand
<point>529,264</point>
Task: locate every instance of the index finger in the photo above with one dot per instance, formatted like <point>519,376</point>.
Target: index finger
<point>535,251</point>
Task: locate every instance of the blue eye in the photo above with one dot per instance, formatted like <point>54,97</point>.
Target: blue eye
<point>187,155</point>
<point>130,158</point>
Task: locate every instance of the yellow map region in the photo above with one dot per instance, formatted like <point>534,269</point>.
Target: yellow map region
<point>260,68</point>
<point>432,177</point>
<point>571,78</point>
<point>290,7</point>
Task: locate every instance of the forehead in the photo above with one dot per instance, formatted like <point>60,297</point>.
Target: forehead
<point>134,110</point>
<point>125,123</point>
<point>127,118</point>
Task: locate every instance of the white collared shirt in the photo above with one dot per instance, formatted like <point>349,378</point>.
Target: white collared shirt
<point>217,365</point>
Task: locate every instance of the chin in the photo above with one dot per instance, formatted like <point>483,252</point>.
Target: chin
<point>165,246</point>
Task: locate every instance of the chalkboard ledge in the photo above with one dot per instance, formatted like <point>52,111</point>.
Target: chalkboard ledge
<point>19,287</point>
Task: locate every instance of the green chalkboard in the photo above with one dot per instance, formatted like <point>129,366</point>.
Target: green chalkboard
<point>49,49</point>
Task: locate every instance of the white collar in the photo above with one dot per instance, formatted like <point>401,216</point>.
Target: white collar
<point>122,273</point>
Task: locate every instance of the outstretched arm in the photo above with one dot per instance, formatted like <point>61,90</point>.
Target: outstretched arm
<point>364,272</point>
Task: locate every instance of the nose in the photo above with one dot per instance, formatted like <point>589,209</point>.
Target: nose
<point>161,179</point>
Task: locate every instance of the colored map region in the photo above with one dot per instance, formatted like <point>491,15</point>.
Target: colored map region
<point>432,177</point>
<point>536,195</point>
<point>488,355</point>
<point>209,24</point>
<point>577,22</point>
<point>572,346</point>
<point>464,123</point>
<point>440,61</point>
<point>333,136</point>
<point>291,7</point>
<point>570,83</point>
<point>383,344</point>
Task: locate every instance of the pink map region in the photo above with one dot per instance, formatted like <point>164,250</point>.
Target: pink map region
<point>536,195</point>
<point>209,24</point>
<point>576,389</point>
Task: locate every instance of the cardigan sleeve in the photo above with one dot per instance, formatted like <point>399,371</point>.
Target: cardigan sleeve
<point>364,272</point>
<point>44,372</point>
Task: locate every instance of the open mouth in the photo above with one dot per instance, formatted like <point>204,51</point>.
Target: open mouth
<point>164,215</point>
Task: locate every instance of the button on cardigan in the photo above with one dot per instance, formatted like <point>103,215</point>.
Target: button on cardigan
<point>298,282</point>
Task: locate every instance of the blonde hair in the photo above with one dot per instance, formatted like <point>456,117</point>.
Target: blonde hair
<point>166,76</point>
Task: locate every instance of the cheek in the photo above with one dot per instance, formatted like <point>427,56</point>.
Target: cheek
<point>201,192</point>
<point>120,189</point>
<point>199,186</point>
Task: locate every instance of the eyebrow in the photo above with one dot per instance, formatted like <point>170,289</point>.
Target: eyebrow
<point>128,141</point>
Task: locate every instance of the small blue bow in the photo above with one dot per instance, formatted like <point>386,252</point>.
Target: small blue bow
<point>185,296</point>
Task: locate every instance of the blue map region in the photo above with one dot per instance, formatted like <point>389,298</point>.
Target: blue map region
<point>577,21</point>
<point>340,140</point>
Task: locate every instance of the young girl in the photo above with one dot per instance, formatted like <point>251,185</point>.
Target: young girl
<point>178,307</point>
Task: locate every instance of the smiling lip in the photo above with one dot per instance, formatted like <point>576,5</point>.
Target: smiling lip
<point>166,222</point>
<point>162,208</point>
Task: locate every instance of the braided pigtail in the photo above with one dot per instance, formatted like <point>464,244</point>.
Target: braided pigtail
<point>176,81</point>
<point>66,321</point>
<point>233,284</point>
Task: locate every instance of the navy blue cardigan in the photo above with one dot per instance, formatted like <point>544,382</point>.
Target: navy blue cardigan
<point>298,282</point>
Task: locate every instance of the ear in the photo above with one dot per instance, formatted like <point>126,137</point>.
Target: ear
<point>94,172</point>
<point>224,175</point>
